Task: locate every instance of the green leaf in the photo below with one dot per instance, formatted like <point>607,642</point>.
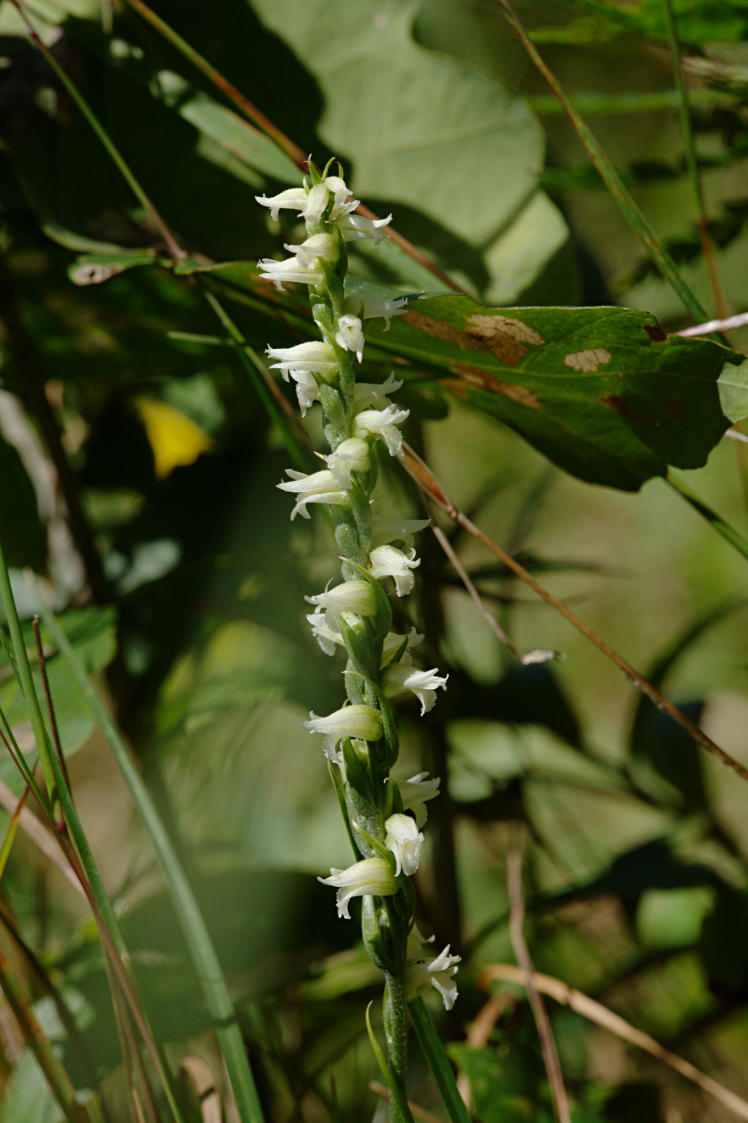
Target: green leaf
<point>92,633</point>
<point>27,1095</point>
<point>95,268</point>
<point>453,153</point>
<point>664,761</point>
<point>733,391</point>
<point>504,1086</point>
<point>602,392</point>
<point>698,21</point>
<point>226,129</point>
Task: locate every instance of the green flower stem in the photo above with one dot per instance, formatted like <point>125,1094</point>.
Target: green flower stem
<point>396,1035</point>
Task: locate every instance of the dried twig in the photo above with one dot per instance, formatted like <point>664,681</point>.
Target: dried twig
<point>602,1016</point>
<point>737,321</point>
<point>496,628</point>
<point>203,1081</point>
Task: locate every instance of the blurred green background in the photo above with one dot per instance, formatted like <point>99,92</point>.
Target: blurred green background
<point>139,466</point>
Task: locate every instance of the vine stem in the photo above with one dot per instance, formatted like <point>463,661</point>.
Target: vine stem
<point>539,1013</point>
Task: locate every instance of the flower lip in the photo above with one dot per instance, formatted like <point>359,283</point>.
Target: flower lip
<point>313,356</point>
<point>290,271</point>
<point>371,877</point>
<point>399,677</point>
<point>323,632</point>
<point>350,335</point>
<point>313,248</point>
<point>355,596</point>
<point>416,791</point>
<point>383,423</point>
<point>439,972</point>
<point>316,487</point>
<point>363,723</point>
<point>292,199</point>
<point>355,226</point>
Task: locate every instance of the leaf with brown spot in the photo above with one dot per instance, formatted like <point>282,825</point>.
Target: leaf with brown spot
<point>602,392</point>
<point>588,360</point>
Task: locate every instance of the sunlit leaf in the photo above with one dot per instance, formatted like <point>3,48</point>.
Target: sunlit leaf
<point>455,153</point>
<point>603,392</point>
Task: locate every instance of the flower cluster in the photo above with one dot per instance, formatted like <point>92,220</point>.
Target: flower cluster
<point>362,424</point>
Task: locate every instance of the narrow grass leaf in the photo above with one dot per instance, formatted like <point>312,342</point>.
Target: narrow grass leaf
<point>438,1062</point>
<point>194,928</point>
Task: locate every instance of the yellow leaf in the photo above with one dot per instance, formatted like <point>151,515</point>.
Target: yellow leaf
<point>174,439</point>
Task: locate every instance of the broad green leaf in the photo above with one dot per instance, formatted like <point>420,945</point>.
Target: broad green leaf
<point>504,1085</point>
<point>733,391</point>
<point>448,148</point>
<point>91,631</point>
<point>603,392</point>
<point>27,1096</point>
<point>672,917</point>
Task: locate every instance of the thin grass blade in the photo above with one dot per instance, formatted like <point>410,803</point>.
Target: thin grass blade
<point>192,923</point>
<point>438,1062</point>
